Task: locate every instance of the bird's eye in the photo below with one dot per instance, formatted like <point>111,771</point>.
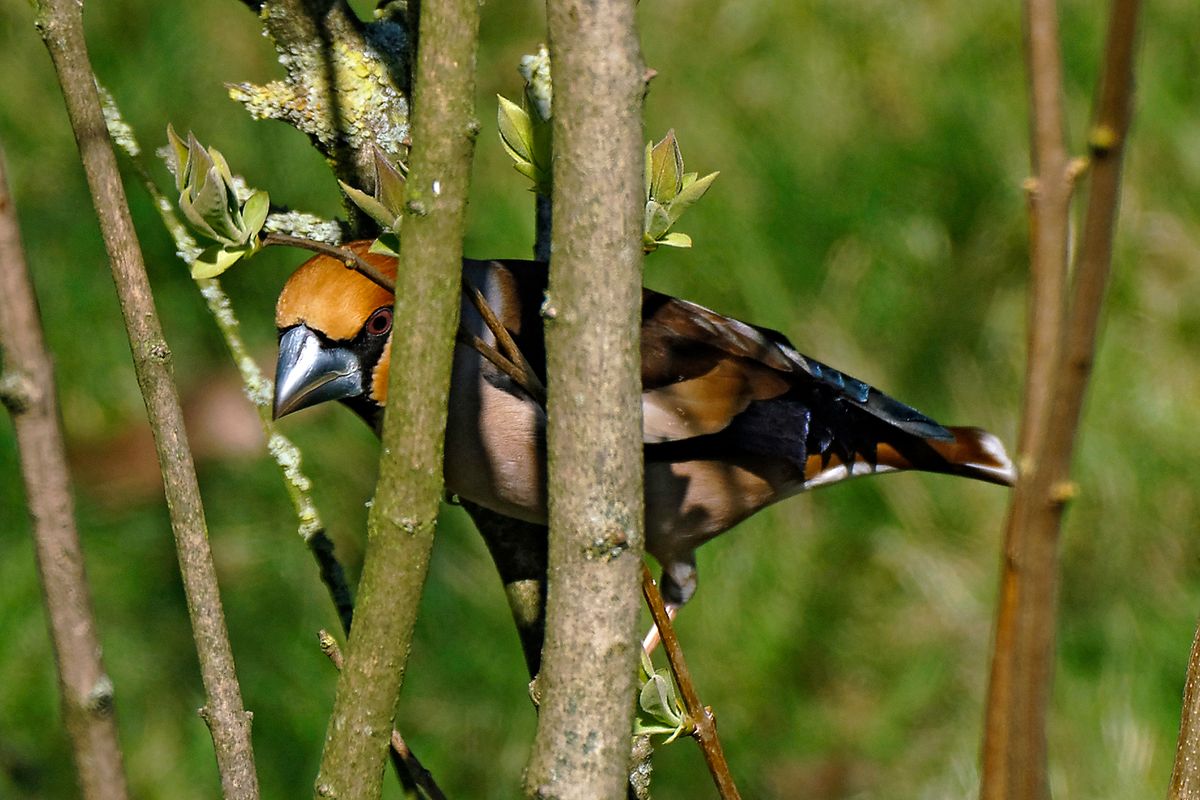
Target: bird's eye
<point>380,322</point>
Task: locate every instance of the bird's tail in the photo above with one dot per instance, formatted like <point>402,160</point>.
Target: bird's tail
<point>972,453</point>
<point>969,452</point>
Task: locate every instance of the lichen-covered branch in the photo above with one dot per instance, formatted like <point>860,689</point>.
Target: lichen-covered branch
<point>1062,345</point>
<point>61,25</point>
<point>404,512</point>
<point>594,433</point>
<point>347,84</point>
<point>27,389</point>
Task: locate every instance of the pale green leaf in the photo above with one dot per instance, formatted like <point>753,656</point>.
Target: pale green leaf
<point>676,240</point>
<point>254,214</point>
<point>177,158</point>
<point>667,167</point>
<point>388,244</point>
<point>370,206</point>
<point>658,221</point>
<point>195,218</point>
<point>215,260</point>
<point>692,192</point>
<point>516,130</point>
<point>390,187</point>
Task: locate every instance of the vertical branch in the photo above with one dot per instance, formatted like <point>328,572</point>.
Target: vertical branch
<point>61,26</point>
<point>594,436</point>
<point>400,529</point>
<point>1014,753</point>
<point>27,389</point>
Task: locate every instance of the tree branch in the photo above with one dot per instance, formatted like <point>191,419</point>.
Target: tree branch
<point>27,389</point>
<point>404,513</point>
<point>1061,354</point>
<point>594,431</point>
<point>61,25</point>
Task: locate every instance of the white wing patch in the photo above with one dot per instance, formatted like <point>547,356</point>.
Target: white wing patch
<point>840,472</point>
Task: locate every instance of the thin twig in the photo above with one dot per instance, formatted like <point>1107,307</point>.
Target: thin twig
<point>408,763</point>
<point>27,389</point>
<point>61,26</point>
<point>701,717</point>
<point>517,366</point>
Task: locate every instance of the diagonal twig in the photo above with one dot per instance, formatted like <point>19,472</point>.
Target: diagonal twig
<point>703,720</point>
<point>515,365</point>
<point>347,256</point>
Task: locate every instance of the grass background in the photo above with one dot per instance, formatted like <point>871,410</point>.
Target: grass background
<point>869,205</point>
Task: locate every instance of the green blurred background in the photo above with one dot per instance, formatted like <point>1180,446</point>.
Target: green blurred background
<point>869,205</point>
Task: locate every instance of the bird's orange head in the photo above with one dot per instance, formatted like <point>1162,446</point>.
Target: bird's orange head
<point>334,326</point>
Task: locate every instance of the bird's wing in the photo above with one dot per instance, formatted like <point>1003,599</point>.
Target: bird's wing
<point>701,370</point>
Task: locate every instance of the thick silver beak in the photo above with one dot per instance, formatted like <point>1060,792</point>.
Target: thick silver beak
<point>309,372</point>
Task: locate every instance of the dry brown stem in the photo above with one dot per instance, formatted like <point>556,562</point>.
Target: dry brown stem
<point>704,722</point>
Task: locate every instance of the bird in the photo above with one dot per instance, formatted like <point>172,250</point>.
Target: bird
<point>734,417</point>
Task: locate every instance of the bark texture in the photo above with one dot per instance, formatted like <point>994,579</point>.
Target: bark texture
<point>594,434</point>
<point>27,389</point>
<point>404,513</point>
<point>61,26</point>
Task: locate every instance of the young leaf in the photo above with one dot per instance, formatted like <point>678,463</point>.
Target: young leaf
<point>658,221</point>
<point>667,167</point>
<point>254,215</point>
<point>214,260</point>
<point>176,157</point>
<point>388,244</point>
<point>516,130</point>
<point>370,206</point>
<point>676,239</point>
<point>390,185</point>
<point>692,191</point>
